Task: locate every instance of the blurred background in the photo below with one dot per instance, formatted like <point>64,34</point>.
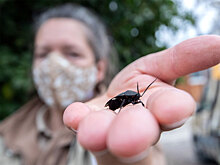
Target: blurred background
<point>137,27</point>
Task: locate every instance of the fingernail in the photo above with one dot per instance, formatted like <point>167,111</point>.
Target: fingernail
<point>174,125</point>
<point>135,158</point>
<point>100,153</point>
<point>73,130</point>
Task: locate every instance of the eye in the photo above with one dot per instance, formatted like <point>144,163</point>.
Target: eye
<point>40,54</point>
<point>73,54</point>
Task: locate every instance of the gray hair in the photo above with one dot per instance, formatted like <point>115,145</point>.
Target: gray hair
<point>97,37</point>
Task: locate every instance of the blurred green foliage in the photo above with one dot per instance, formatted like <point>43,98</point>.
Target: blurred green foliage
<point>132,23</point>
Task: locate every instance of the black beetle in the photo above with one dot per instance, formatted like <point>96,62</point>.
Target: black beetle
<point>126,98</point>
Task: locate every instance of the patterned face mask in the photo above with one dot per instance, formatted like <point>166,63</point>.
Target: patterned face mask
<point>59,83</point>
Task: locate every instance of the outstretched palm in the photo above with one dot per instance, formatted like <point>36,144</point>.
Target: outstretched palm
<point>136,128</point>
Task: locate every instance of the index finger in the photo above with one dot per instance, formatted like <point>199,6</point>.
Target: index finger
<point>192,55</point>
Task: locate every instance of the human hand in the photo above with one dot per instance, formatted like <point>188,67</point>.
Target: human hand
<point>129,134</point>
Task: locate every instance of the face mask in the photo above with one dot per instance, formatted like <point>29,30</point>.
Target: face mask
<point>59,83</point>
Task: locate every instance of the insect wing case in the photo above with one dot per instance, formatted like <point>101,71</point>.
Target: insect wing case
<point>114,103</point>
<point>126,93</point>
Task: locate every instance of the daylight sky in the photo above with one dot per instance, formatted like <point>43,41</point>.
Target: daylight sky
<point>205,14</point>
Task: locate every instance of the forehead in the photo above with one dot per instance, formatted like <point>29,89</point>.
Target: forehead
<point>61,30</point>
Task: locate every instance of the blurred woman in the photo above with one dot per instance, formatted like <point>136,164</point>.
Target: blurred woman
<point>73,61</point>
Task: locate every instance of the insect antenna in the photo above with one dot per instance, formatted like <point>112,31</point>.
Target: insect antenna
<point>138,88</point>
<point>148,87</point>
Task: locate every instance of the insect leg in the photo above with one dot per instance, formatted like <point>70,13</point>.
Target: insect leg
<point>139,101</point>
<point>121,105</point>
